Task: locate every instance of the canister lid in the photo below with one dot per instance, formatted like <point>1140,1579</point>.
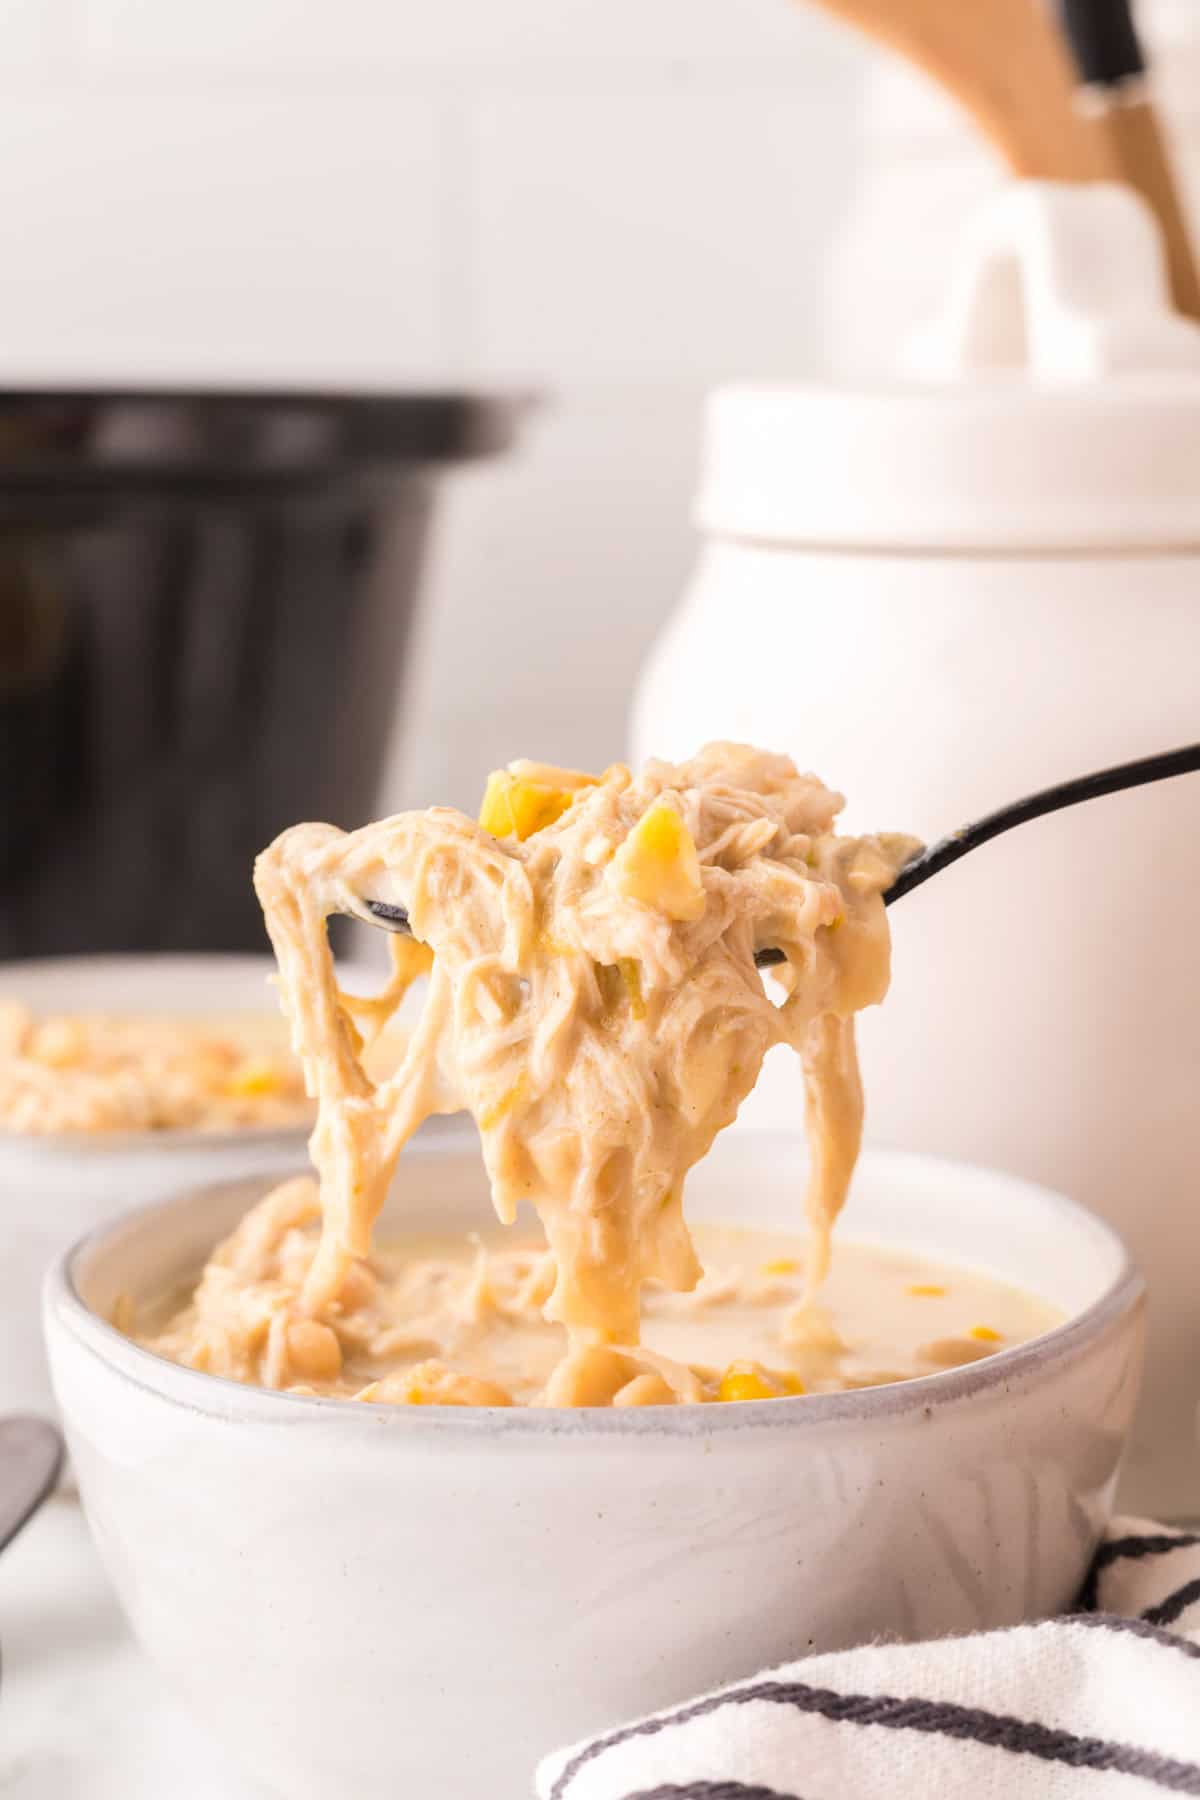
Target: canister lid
<point>996,468</point>
<point>1053,404</point>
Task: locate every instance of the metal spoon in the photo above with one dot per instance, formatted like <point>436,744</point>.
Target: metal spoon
<point>31,1456</point>
<point>947,850</point>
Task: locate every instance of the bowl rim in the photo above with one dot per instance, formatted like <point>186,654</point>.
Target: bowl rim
<point>216,1397</point>
<point>47,1146</point>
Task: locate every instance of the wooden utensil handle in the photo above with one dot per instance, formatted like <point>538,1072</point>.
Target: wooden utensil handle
<point>1131,128</point>
<point>1111,64</point>
<point>1006,63</point>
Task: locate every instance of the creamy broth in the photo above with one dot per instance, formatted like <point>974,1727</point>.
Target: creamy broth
<point>461,1321</point>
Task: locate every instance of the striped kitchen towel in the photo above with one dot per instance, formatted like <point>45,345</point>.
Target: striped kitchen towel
<point>1104,1702</point>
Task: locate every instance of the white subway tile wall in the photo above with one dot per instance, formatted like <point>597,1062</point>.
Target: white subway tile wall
<point>32,37</point>
<point>617,202</point>
<point>397,35</point>
<point>226,236</point>
<point>674,236</point>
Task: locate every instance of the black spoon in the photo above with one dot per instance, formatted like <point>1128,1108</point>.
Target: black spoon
<point>947,850</point>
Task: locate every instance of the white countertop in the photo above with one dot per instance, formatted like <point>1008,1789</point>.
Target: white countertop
<point>83,1716</point>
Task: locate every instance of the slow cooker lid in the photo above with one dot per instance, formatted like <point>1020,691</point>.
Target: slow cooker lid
<point>56,442</point>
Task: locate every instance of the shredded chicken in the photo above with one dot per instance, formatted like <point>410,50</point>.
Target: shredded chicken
<point>96,1072</point>
<point>593,1003</point>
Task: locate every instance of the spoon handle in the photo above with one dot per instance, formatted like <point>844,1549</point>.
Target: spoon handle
<point>947,850</point>
<point>31,1454</point>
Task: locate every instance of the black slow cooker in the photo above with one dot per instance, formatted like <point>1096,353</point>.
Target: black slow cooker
<point>205,600</point>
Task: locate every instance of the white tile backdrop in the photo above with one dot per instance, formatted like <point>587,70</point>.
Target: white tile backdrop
<point>616,202</point>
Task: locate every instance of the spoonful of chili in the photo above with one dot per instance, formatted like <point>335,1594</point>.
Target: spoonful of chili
<point>940,855</point>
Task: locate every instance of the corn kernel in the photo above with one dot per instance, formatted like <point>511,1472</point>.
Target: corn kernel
<point>792,1383</point>
<point>984,1334</point>
<point>517,807</point>
<point>251,1078</point>
<point>927,1290</point>
<point>658,865</point>
<point>746,1381</point>
<point>782,1265</point>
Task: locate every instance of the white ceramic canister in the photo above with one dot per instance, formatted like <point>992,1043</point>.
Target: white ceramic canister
<point>941,597</point>
<point>921,169</point>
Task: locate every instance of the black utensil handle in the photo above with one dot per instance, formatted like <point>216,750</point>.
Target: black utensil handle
<point>1185,761</point>
<point>1103,40</point>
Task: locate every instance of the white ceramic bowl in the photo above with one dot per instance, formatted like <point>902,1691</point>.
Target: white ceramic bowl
<point>53,1188</point>
<point>385,1601</point>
